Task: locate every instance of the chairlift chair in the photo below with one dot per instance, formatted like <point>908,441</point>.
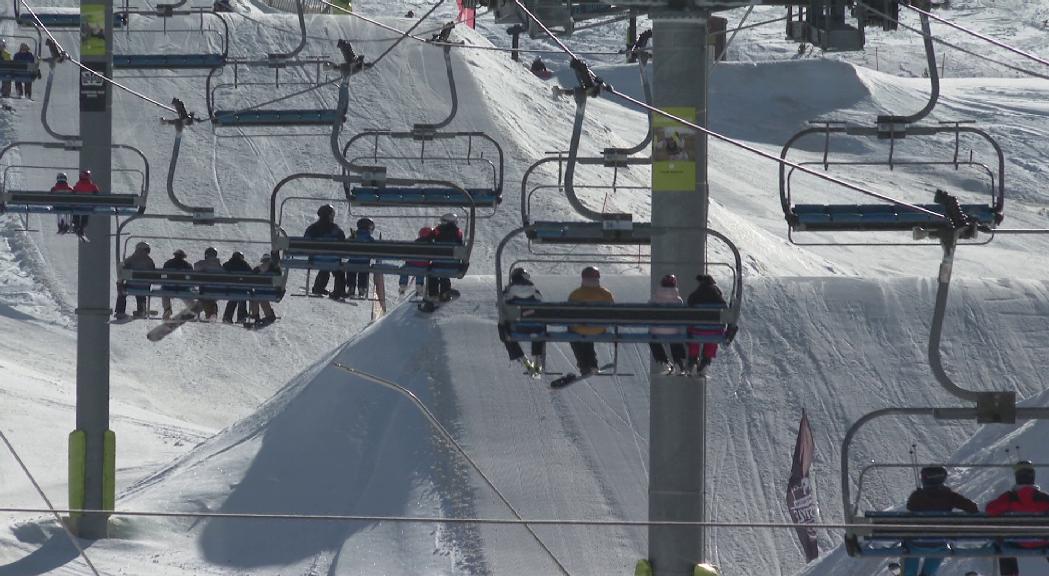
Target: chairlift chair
<point>13,71</point>
<point>207,60</point>
<point>24,199</point>
<point>188,284</point>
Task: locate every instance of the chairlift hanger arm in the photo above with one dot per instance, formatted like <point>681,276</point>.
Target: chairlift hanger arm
<point>934,81</point>
<point>639,51</point>
<point>301,10</point>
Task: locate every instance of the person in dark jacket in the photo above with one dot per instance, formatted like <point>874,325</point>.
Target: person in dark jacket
<point>24,55</point>
<point>1025,497</point>
<point>325,228</point>
<point>933,496</point>
<point>358,281</point>
<point>265,266</point>
<point>522,290</point>
<point>236,263</point>
<point>176,262</point>
<point>707,292</point>
<point>210,263</point>
<point>139,260</point>
<point>447,232</point>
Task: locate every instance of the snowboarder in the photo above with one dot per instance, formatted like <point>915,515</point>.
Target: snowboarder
<point>447,232</point>
<point>425,237</point>
<point>540,70</point>
<point>85,185</point>
<point>706,293</point>
<point>176,262</point>
<point>521,289</point>
<point>139,260</point>
<point>1024,497</point>
<point>325,228</point>
<point>265,266</point>
<point>24,55</point>
<point>358,281</point>
<point>62,185</point>
<point>236,263</point>
<point>933,496</point>
<point>5,56</point>
<point>210,263</point>
<point>590,290</point>
<point>667,293</point>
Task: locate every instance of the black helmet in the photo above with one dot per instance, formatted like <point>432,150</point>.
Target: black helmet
<point>1024,471</point>
<point>326,211</point>
<point>520,275</point>
<point>210,252</point>
<point>365,224</point>
<point>933,476</point>
<point>238,255</point>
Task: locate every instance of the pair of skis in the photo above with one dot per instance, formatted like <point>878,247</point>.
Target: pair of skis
<point>569,379</point>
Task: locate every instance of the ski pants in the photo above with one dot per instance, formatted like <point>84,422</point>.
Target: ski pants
<point>710,349</point>
<point>121,307</point>
<point>240,306</point>
<point>585,356</point>
<point>419,280</point>
<point>5,89</point>
<point>321,282</point>
<point>166,301</point>
<point>1007,566</point>
<point>211,308</point>
<point>79,223</point>
<point>659,353</point>
<point>513,349</point>
<point>24,89</point>
<point>357,282</point>
<point>921,566</point>
<point>436,286</point>
<point>267,309</point>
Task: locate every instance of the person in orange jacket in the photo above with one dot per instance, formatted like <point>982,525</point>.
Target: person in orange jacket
<point>1024,497</point>
<point>590,290</point>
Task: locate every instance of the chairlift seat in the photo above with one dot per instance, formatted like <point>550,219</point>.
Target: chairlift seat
<point>26,201</point>
<point>12,71</point>
<point>60,18</point>
<point>889,534</point>
<point>301,117</point>
<point>626,322</point>
<point>877,217</point>
<point>382,256</point>
<point>167,61</point>
<point>212,285</point>
<point>588,233</point>
<point>406,196</point>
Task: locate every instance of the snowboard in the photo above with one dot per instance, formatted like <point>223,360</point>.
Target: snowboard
<point>570,378</point>
<point>131,318</point>
<point>428,305</point>
<point>187,314</point>
<point>379,282</point>
<point>260,323</point>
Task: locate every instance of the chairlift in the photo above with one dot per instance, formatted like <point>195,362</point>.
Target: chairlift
<point>206,60</point>
<point>822,24</point>
<point>555,14</point>
<point>625,322</point>
<point>23,198</point>
<point>54,18</point>
<point>15,71</point>
<point>185,284</point>
<point>885,217</point>
<point>474,148</point>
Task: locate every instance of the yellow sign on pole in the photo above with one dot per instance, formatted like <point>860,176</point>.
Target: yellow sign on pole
<point>673,152</point>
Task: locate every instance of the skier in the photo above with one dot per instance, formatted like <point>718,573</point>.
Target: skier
<point>706,293</point>
<point>521,289</point>
<point>325,228</point>
<point>933,496</point>
<point>5,56</point>
<point>85,185</point>
<point>24,89</point>
<point>210,263</point>
<point>425,237</point>
<point>358,281</point>
<point>236,263</point>
<point>265,266</point>
<point>139,260</point>
<point>667,293</point>
<point>539,69</point>
<point>1024,497</point>
<point>176,262</point>
<point>590,290</point>
<point>447,232</point>
<point>62,185</point>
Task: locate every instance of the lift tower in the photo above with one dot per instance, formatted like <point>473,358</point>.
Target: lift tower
<point>91,445</point>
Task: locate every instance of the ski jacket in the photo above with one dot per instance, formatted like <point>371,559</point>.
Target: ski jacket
<point>265,268</point>
<point>24,57</point>
<point>522,291</point>
<point>706,293</point>
<point>85,186</point>
<point>208,265</point>
<point>321,230</point>
<point>139,260</point>
<point>232,265</point>
<point>939,499</point>
<point>449,233</point>
<point>177,264</point>
<point>590,293</point>
<point>5,56</point>
<point>364,235</point>
<point>1024,499</point>
<point>666,295</point>
<point>61,187</point>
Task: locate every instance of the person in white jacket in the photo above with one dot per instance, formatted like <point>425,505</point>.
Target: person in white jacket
<point>667,293</point>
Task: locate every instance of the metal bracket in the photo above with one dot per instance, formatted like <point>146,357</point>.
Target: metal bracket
<point>373,176</point>
<point>996,407</point>
<point>623,222</point>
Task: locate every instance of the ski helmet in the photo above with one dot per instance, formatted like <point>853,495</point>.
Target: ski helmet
<point>62,177</point>
<point>520,275</point>
<point>238,255</point>
<point>933,476</point>
<point>266,257</point>
<point>365,224</point>
<point>179,253</point>
<point>669,281</point>
<point>1024,472</point>
<point>326,211</point>
<point>425,232</point>
<point>450,218</point>
<point>142,247</point>
<point>591,272</point>
<point>210,252</point>
<point>85,174</point>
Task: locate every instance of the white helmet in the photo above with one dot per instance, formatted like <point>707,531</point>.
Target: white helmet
<point>450,218</point>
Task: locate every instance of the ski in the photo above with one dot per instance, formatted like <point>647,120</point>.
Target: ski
<point>572,378</point>
<point>191,311</point>
<point>260,324</point>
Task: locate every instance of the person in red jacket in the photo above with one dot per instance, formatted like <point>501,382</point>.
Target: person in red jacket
<point>1026,498</point>
<point>62,185</point>
<point>85,185</point>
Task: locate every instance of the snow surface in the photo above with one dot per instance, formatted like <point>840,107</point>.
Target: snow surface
<point>216,418</point>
